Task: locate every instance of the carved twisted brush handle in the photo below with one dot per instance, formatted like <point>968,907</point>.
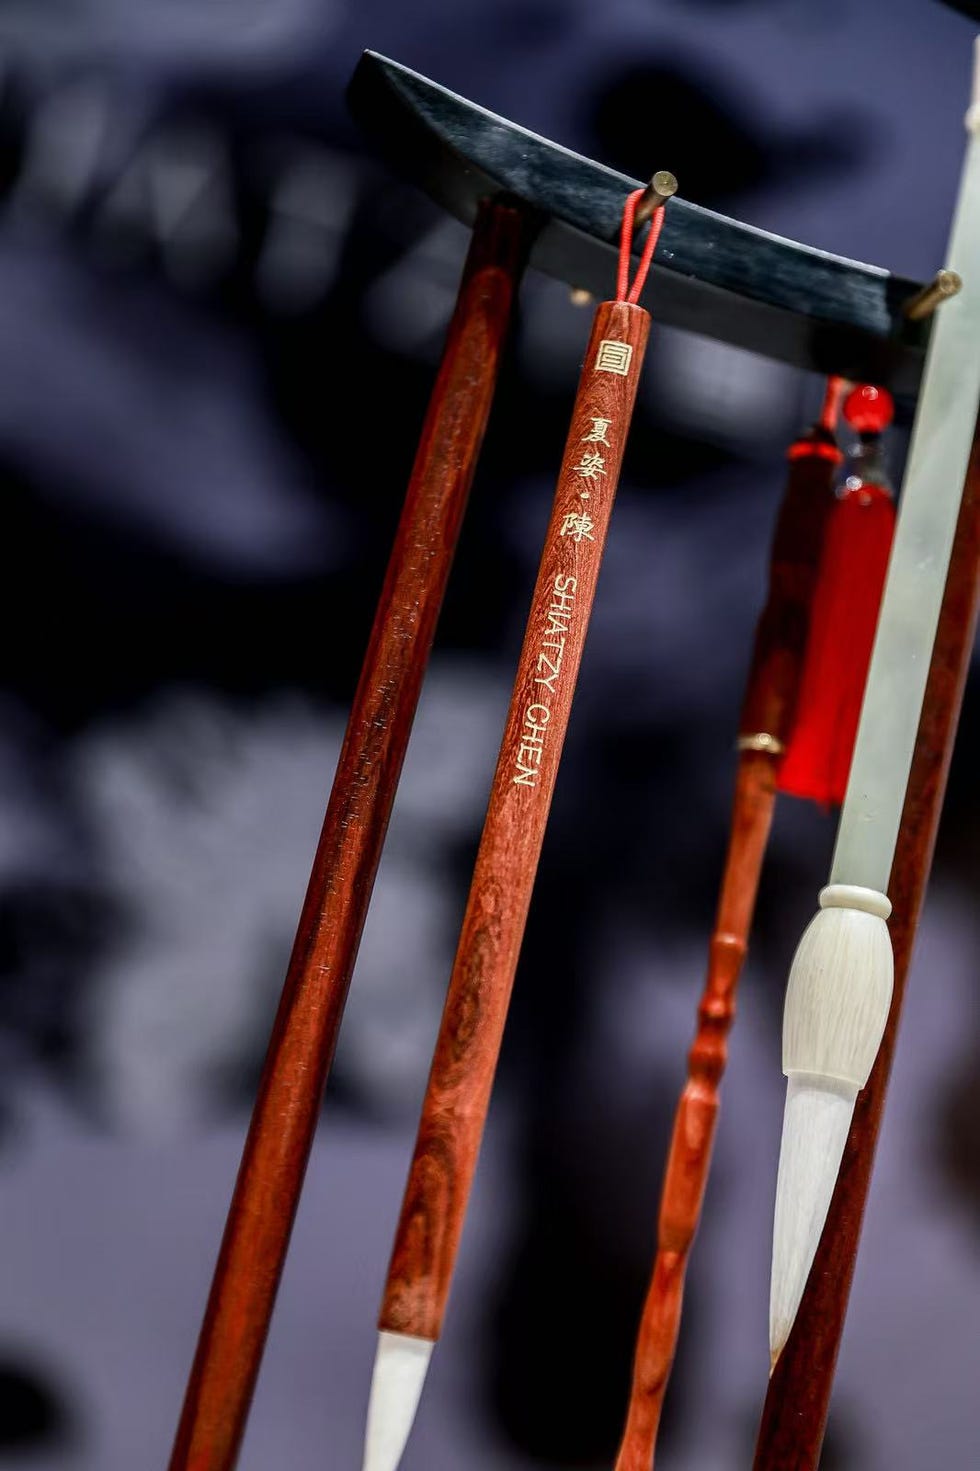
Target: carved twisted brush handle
<point>767,716</point>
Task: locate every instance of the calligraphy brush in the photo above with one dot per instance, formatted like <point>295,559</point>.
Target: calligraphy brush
<point>840,985</point>
<point>798,1396</point>
<point>766,722</point>
<point>284,1120</point>
<point>468,1045</point>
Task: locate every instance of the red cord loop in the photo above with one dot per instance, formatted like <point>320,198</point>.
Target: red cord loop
<point>624,291</point>
<point>836,388</point>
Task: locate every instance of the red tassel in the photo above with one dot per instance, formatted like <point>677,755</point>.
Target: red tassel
<point>845,613</point>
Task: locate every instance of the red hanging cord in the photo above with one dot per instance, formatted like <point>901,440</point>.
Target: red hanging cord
<point>830,412</point>
<point>624,291</point>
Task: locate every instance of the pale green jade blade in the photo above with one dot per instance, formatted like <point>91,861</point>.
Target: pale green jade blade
<point>938,458</point>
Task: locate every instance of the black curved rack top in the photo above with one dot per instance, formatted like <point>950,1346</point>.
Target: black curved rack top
<point>712,275</point>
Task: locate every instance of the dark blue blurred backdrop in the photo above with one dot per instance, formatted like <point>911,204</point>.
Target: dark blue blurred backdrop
<point>219,318</point>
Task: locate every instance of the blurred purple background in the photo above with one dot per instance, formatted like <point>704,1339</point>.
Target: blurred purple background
<point>219,318</point>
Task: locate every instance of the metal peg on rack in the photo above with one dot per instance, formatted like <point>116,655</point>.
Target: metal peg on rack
<point>942,286</point>
<point>662,186</point>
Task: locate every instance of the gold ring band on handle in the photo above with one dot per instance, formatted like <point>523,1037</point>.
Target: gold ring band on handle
<point>760,741</point>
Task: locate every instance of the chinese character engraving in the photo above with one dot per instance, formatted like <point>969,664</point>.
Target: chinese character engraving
<point>591,466</point>
<point>597,434</point>
<point>577,526</point>
<point>614,357</point>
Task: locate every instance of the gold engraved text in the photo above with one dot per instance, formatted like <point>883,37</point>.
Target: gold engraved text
<point>597,434</point>
<point>578,526</point>
<point>614,357</point>
<point>548,669</point>
<point>591,466</point>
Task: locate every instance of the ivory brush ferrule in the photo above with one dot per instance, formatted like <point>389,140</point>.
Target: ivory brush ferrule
<point>458,1092</point>
<point>840,984</point>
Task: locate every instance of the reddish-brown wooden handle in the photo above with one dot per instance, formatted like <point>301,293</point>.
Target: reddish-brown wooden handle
<point>284,1120</point>
<point>770,701</point>
<point>780,640</point>
<point>472,1025</point>
<point>795,1413</point>
<point>692,1140</point>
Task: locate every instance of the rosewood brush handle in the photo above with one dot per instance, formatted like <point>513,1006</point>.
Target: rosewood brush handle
<point>472,1025</point>
<point>781,635</point>
<point>291,1090</point>
<point>770,700</point>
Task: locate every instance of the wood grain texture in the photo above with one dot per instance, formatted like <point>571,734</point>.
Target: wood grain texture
<point>794,1416</point>
<point>770,700</point>
<point>472,1026</point>
<point>303,1040</point>
<point>780,641</point>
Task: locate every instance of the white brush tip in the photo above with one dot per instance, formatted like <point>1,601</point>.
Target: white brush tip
<point>400,1368</point>
<point>816,1121</point>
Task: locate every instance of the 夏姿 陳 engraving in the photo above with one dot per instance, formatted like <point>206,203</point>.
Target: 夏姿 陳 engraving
<point>613,357</point>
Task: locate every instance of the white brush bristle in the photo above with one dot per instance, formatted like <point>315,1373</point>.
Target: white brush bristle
<point>837,1001</point>
<point>816,1120</point>
<point>400,1368</point>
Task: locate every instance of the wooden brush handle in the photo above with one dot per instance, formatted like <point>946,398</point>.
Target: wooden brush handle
<point>798,1397</point>
<point>472,1026</point>
<point>692,1141</point>
<point>780,640</point>
<point>284,1120</point>
<point>770,700</point>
